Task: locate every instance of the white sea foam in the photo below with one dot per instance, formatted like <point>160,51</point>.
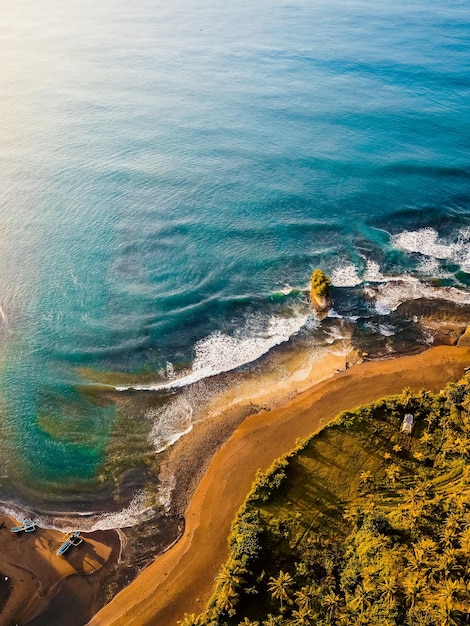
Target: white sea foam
<point>372,272</point>
<point>335,334</point>
<point>387,330</point>
<point>345,276</point>
<point>165,489</point>
<point>136,512</point>
<point>463,242</point>
<point>220,353</point>
<point>170,423</point>
<point>388,296</point>
<point>335,315</point>
<point>425,241</point>
<point>287,289</point>
<point>170,371</point>
<point>430,266</point>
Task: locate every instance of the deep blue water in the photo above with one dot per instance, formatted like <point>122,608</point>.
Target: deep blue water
<point>169,171</point>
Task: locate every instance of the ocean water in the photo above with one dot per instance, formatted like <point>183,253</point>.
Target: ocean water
<point>171,174</point>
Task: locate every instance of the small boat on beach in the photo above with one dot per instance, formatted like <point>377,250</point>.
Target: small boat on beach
<point>71,539</point>
<point>28,526</point>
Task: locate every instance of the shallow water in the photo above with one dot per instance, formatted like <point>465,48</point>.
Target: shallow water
<point>172,173</point>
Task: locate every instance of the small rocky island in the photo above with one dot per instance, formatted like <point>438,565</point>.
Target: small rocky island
<point>320,293</point>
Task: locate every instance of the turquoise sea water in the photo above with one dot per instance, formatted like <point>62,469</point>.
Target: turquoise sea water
<point>171,173</point>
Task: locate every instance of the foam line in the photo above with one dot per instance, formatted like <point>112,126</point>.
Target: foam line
<point>220,353</point>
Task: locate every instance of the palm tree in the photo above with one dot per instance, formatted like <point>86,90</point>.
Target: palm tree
<point>360,600</point>
<point>306,596</point>
<point>365,478</point>
<point>447,617</point>
<point>369,573</point>
<point>449,593</point>
<point>229,580</point>
<point>461,501</point>
<point>279,587</point>
<point>413,585</point>
<point>415,558</point>
<point>430,418</point>
<point>331,602</point>
<point>447,535</point>
<point>448,561</point>
<point>302,617</point>
<point>248,622</point>
<point>465,540</point>
<point>230,575</point>
<point>407,396</point>
<point>392,473</point>
<point>426,438</point>
<point>411,496</point>
<point>227,598</point>
<point>424,397</point>
<point>462,446</point>
<point>389,588</point>
<point>352,514</point>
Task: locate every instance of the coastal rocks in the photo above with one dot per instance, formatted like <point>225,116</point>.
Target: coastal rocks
<point>446,334</point>
<point>446,322</point>
<point>319,293</point>
<point>464,339</point>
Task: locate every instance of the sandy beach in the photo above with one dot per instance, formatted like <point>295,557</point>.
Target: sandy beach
<point>32,575</point>
<point>180,580</point>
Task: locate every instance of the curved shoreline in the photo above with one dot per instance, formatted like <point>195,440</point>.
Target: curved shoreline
<point>180,581</point>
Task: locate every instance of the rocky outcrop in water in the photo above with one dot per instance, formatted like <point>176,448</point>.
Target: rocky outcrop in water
<point>320,293</point>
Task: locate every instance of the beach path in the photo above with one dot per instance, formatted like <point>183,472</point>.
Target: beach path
<point>180,581</point>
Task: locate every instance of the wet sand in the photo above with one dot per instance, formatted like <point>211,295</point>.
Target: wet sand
<point>181,579</point>
<point>31,574</point>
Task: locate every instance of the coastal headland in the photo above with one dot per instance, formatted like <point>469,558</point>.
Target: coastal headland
<point>180,580</point>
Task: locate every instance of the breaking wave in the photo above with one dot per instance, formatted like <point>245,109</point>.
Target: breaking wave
<point>389,295</point>
<point>170,423</point>
<point>220,352</point>
<point>136,512</point>
<point>426,241</point>
<point>345,276</point>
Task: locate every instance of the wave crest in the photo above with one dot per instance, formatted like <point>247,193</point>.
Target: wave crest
<point>426,241</point>
<point>220,353</point>
<point>389,295</point>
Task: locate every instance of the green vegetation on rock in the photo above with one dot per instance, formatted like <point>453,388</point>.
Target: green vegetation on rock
<point>361,524</point>
<point>319,293</point>
<point>319,285</point>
